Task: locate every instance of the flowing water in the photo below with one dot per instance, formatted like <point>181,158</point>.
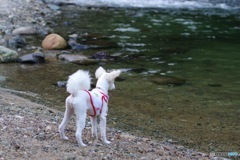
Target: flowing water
<point>197,42</point>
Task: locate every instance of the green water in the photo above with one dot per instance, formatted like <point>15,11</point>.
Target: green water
<point>201,47</point>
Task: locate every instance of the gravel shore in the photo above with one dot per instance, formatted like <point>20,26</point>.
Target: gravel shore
<point>21,13</point>
<point>29,131</point>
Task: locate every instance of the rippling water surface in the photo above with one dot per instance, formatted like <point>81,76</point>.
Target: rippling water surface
<point>200,46</point>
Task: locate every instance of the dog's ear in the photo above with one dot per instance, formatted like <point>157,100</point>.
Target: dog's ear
<point>114,74</point>
<point>99,72</point>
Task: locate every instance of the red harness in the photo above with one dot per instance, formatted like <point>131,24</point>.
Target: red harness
<point>104,99</point>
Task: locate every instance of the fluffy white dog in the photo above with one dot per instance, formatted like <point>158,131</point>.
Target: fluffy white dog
<point>83,102</point>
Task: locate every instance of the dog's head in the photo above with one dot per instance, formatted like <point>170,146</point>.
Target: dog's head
<point>110,77</point>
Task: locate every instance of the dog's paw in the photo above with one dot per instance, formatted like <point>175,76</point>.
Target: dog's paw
<point>82,145</point>
<point>107,142</point>
<point>65,138</point>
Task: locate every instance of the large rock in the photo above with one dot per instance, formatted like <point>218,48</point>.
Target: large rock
<point>7,55</point>
<point>78,59</point>
<point>54,41</point>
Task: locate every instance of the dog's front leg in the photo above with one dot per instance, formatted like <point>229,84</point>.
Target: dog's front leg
<point>94,127</point>
<point>103,121</point>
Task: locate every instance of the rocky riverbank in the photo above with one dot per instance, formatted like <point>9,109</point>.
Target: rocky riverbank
<point>20,19</point>
<point>21,13</point>
<point>29,131</point>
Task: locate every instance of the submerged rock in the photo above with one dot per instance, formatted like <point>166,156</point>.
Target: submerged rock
<point>33,58</point>
<point>214,85</point>
<point>77,58</point>
<point>54,41</point>
<point>7,55</point>
<point>135,70</point>
<point>100,55</point>
<point>76,46</point>
<point>168,80</point>
<point>98,41</point>
<point>2,78</point>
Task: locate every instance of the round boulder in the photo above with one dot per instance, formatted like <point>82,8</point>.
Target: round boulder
<point>54,41</point>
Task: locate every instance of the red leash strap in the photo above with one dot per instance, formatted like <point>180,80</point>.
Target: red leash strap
<point>94,110</point>
<point>104,98</point>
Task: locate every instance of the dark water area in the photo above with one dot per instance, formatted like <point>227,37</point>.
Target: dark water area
<point>182,71</point>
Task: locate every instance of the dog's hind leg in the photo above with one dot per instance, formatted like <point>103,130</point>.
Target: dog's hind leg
<point>103,121</point>
<point>67,115</point>
<point>81,121</point>
<point>94,127</point>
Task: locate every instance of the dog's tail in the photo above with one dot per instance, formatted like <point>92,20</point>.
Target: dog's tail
<point>79,80</point>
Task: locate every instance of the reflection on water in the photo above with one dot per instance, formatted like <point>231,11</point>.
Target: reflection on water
<point>199,47</point>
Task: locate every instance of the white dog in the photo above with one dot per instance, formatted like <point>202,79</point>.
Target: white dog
<point>83,102</point>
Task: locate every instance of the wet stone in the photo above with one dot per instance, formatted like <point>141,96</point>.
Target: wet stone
<point>7,55</point>
<point>77,58</point>
<point>100,55</point>
<point>76,46</point>
<point>33,58</point>
<point>24,31</point>
<point>16,42</point>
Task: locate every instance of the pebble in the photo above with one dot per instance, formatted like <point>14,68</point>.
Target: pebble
<point>48,128</point>
<point>4,127</point>
<point>61,83</point>
<point>41,136</point>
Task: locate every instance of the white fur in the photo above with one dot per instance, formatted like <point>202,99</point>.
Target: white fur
<point>99,72</point>
<point>79,102</point>
<point>79,80</point>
